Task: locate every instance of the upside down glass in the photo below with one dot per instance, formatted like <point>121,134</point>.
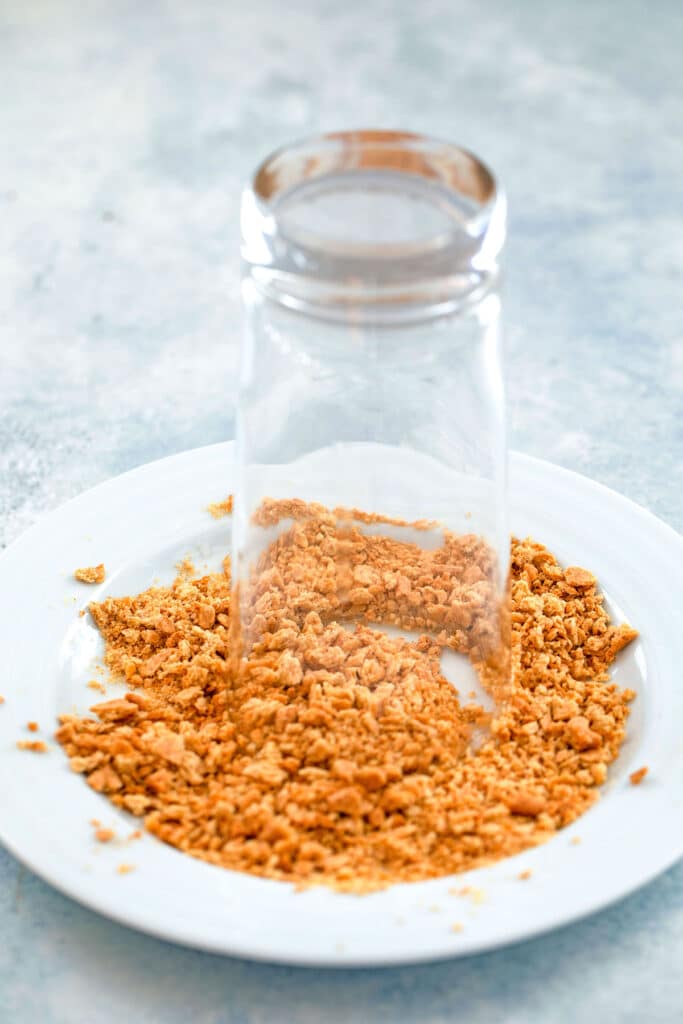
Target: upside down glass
<point>371,458</point>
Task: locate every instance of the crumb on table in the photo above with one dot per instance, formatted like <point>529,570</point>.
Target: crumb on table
<point>637,777</point>
<point>125,869</point>
<point>32,726</point>
<point>93,684</point>
<point>524,875</point>
<point>457,927</point>
<point>90,574</point>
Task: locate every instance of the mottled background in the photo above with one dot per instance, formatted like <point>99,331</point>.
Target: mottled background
<point>126,130</point>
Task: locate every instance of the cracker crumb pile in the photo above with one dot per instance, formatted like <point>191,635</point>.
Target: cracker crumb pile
<point>90,574</point>
<point>345,757</point>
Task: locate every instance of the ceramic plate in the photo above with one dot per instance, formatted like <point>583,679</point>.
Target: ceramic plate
<point>139,525</point>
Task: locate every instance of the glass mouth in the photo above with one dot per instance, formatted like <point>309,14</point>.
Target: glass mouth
<point>374,221</point>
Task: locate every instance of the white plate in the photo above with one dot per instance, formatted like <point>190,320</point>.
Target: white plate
<point>139,524</point>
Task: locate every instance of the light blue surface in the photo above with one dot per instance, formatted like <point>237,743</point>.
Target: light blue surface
<point>126,131</point>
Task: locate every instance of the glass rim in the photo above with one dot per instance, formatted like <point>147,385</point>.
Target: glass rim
<point>453,161</point>
<point>432,263</point>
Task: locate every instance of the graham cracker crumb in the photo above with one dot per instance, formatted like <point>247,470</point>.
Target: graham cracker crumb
<point>93,684</point>
<point>457,927</point>
<point>637,777</point>
<point>125,869</point>
<point>2,699</point>
<point>219,509</point>
<point>575,840</point>
<point>105,835</point>
<point>345,758</point>
<point>185,568</point>
<point>37,746</point>
<point>32,726</point>
<point>91,574</point>
<point>524,875</point>
<point>136,834</point>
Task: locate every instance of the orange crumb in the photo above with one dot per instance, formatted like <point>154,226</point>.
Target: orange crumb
<point>94,685</point>
<point>457,927</point>
<point>136,834</point>
<point>125,869</point>
<point>2,700</point>
<point>524,875</point>
<point>95,822</point>
<point>218,509</point>
<point>185,568</point>
<point>575,840</point>
<point>90,574</point>
<point>32,726</point>
<point>637,777</point>
<point>105,835</point>
<point>37,746</point>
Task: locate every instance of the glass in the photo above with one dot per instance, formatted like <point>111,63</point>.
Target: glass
<point>371,457</point>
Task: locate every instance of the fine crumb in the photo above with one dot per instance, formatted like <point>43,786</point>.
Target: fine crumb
<point>37,746</point>
<point>125,869</point>
<point>95,822</point>
<point>185,568</point>
<point>93,684</point>
<point>2,700</point>
<point>32,726</point>
<point>524,875</point>
<point>91,574</point>
<point>434,908</point>
<point>219,509</point>
<point>457,927</point>
<point>136,834</point>
<point>343,757</point>
<point>637,777</point>
<point>575,840</point>
<point>105,835</point>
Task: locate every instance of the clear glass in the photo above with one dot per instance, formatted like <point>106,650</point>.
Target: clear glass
<point>371,385</point>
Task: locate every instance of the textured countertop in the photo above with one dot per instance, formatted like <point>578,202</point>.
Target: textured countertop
<point>126,131</point>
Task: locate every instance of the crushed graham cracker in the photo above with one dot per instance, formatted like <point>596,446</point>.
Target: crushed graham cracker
<point>91,574</point>
<point>105,835</point>
<point>219,509</point>
<point>636,778</point>
<point>125,869</point>
<point>32,726</point>
<point>525,875</point>
<point>186,568</point>
<point>2,700</point>
<point>93,684</point>
<point>37,746</point>
<point>345,758</point>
